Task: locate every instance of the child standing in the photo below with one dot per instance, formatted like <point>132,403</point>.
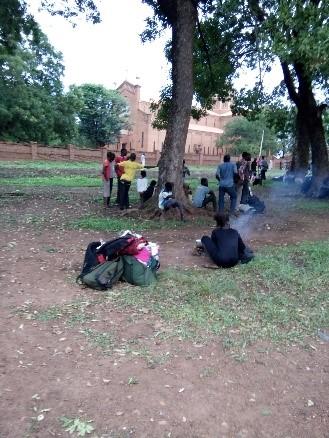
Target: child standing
<point>142,186</point>
<point>108,175</point>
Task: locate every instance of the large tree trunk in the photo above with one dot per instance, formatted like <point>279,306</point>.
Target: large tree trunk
<point>313,116</point>
<point>171,162</point>
<point>301,151</point>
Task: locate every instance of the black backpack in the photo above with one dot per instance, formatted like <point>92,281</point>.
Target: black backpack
<point>101,266</point>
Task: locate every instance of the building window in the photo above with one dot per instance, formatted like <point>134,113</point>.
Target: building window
<point>142,139</point>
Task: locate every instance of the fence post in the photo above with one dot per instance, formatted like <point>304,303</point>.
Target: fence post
<point>71,152</point>
<point>34,151</point>
<point>104,153</point>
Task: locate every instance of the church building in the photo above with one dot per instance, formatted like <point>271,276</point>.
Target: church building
<point>142,137</point>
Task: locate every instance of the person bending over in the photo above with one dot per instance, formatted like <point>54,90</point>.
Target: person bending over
<point>167,200</point>
<point>130,168</point>
<point>203,196</point>
<point>149,191</point>
<point>225,246</point>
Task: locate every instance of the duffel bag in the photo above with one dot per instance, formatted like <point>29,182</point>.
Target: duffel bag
<point>137,273</point>
<point>104,275</point>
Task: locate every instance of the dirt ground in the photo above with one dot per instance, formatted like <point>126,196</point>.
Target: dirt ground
<point>49,368</point>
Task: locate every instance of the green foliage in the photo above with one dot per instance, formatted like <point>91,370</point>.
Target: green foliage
<point>245,135</point>
<point>54,180</point>
<point>33,106</point>
<point>76,425</point>
<point>102,114</point>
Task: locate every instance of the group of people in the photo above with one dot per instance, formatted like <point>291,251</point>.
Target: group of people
<point>225,246</point>
<point>124,169</point>
<point>235,180</point>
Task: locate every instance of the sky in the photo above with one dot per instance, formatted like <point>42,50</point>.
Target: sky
<point>111,52</point>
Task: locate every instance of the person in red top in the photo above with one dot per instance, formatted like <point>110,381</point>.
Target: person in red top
<point>108,175</point>
<point>119,170</point>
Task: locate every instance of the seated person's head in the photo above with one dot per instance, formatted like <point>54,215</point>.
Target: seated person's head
<point>222,219</point>
<point>143,174</point>
<point>153,183</point>
<point>204,182</point>
<point>132,156</point>
<point>227,158</point>
<point>168,186</point>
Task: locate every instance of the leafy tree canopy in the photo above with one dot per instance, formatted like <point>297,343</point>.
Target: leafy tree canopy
<point>245,135</point>
<point>33,106</point>
<point>101,114</point>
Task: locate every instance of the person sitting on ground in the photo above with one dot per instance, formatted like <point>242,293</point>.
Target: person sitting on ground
<point>149,191</point>
<point>324,189</point>
<point>203,195</point>
<point>167,200</point>
<point>141,186</point>
<point>225,246</point>
<point>108,175</point>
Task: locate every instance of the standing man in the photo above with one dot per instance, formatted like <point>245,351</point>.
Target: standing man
<point>143,159</point>
<point>225,175</point>
<point>119,170</point>
<point>263,168</point>
<point>244,178</point>
<point>254,166</point>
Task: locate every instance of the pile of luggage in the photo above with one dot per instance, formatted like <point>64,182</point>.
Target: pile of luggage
<point>130,258</point>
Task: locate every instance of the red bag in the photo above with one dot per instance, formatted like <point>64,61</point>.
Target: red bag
<point>134,246</point>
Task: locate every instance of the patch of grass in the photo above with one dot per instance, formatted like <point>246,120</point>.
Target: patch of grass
<point>48,165</point>
<point>272,298</point>
<point>103,340</point>
<point>53,180</point>
<point>73,313</point>
<point>312,205</point>
<point>123,223</point>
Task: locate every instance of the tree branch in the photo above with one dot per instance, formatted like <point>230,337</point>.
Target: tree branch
<point>289,83</point>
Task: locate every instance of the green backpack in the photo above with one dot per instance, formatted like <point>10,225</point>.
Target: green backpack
<point>136,273</point>
<point>103,276</point>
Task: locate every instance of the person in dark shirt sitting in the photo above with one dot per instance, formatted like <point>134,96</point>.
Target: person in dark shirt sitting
<point>225,247</point>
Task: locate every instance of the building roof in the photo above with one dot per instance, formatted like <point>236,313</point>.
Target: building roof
<point>205,129</point>
<point>213,113</point>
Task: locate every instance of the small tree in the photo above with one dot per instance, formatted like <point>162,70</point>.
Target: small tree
<point>102,114</point>
<point>245,135</point>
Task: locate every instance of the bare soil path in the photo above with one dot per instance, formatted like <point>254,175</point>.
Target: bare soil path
<point>85,356</point>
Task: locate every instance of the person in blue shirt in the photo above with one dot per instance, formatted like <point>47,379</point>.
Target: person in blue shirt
<point>203,195</point>
<point>226,174</point>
